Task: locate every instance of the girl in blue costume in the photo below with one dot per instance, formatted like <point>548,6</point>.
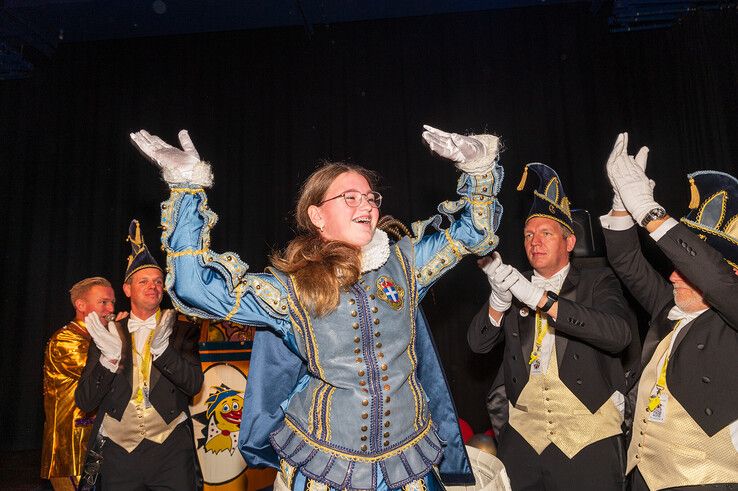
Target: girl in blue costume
<point>344,300</point>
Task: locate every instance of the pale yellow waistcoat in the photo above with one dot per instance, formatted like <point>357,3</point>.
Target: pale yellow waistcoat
<point>548,412</point>
<point>138,422</point>
<point>676,452</point>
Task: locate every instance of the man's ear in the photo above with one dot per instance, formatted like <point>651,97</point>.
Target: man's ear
<point>315,216</point>
<point>127,289</point>
<point>80,305</point>
<point>571,241</point>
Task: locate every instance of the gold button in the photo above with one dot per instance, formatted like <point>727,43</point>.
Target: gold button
<point>386,443</point>
<point>371,296</point>
<point>386,387</point>
<point>380,355</point>
<point>376,322</point>
<point>387,412</point>
<point>359,360</point>
<point>387,399</point>
<point>357,350</point>
<point>387,424</point>
<point>384,378</point>
<point>364,415</point>
<point>363,438</point>
<point>362,383</point>
<point>364,428</point>
<point>362,373</point>
<point>363,448</point>
<point>357,339</point>
<point>379,345</point>
<point>384,367</point>
<point>355,325</point>
<point>377,334</point>
<point>352,301</point>
<point>386,434</point>
<point>364,402</point>
<point>353,313</point>
<point>375,310</point>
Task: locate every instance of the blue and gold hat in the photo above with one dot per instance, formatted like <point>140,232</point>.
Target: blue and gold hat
<point>549,199</point>
<point>140,257</point>
<point>713,212</point>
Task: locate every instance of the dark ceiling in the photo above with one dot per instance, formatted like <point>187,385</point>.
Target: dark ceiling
<point>30,30</point>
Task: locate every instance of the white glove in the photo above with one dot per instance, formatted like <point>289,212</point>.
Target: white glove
<point>629,181</point>
<point>163,331</point>
<point>498,275</point>
<point>472,154</point>
<point>177,166</point>
<point>106,339</point>
<point>525,291</point>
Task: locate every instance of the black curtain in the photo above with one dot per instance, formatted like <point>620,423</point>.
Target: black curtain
<point>266,106</point>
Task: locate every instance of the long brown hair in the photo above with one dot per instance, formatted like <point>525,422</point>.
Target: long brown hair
<point>320,268</point>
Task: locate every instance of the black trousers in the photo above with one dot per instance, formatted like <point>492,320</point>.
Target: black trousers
<point>168,466</point>
<point>637,483</point>
<point>597,467</point>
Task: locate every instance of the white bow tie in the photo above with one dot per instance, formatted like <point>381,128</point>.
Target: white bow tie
<point>550,284</point>
<point>136,324</point>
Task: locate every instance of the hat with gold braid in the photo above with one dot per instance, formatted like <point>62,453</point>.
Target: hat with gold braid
<point>713,214</point>
<point>140,257</point>
<point>549,199</point>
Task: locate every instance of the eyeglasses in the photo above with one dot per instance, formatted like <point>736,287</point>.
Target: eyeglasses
<point>353,199</point>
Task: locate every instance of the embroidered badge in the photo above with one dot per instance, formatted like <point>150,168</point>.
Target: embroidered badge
<point>391,293</point>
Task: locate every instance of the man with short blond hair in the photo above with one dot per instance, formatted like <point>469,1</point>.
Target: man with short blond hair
<point>67,428</point>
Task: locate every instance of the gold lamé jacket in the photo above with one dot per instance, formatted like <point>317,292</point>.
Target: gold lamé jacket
<point>67,428</point>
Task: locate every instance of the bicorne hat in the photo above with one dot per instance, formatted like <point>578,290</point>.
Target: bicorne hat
<point>713,214</point>
<point>549,199</point>
<point>140,257</point>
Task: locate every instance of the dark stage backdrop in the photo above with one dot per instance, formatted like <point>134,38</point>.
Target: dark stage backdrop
<point>265,106</point>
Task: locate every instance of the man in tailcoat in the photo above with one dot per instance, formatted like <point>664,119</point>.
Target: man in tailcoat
<point>140,376</point>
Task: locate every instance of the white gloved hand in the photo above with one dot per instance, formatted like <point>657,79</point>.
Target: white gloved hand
<point>177,166</point>
<point>525,291</point>
<point>106,339</point>
<point>474,155</point>
<point>629,181</point>
<point>163,331</point>
<point>498,275</point>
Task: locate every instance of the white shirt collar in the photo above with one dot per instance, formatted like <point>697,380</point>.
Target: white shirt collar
<point>376,252</point>
<point>676,314</point>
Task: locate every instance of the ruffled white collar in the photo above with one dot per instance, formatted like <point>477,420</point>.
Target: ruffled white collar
<point>376,252</point>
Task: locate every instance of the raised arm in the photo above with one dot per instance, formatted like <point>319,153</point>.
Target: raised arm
<point>473,218</point>
<point>202,282</point>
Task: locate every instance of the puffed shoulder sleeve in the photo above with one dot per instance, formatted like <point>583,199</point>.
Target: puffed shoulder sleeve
<point>212,285</point>
<point>473,220</point>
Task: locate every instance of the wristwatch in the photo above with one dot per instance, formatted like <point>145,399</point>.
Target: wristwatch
<point>551,299</point>
<point>652,215</point>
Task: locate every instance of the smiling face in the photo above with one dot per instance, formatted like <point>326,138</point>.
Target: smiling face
<point>145,288</point>
<point>99,298</point>
<point>546,246</point>
<point>335,220</point>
